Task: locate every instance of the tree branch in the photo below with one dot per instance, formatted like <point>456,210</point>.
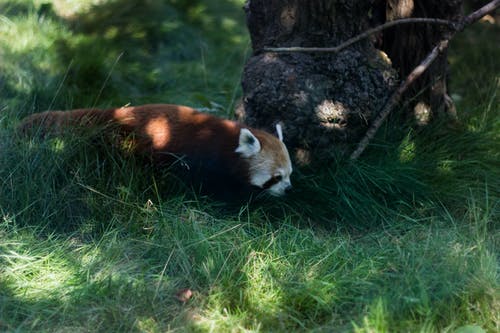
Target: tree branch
<point>396,96</point>
<point>478,14</point>
<point>367,33</point>
<point>417,71</point>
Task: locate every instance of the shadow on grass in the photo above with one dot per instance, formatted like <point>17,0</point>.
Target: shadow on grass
<point>153,51</point>
<point>48,284</point>
<point>16,8</point>
<point>121,52</point>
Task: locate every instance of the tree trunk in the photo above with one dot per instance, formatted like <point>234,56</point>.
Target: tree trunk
<point>407,46</point>
<point>325,101</point>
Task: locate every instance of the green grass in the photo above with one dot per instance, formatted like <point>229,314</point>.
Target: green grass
<point>404,240</point>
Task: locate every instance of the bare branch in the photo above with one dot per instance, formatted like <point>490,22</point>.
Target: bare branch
<point>475,16</point>
<point>417,71</point>
<point>396,96</point>
<point>367,33</point>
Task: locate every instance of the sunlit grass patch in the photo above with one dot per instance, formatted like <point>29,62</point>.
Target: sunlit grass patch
<point>38,273</point>
<point>26,60</point>
<point>375,320</point>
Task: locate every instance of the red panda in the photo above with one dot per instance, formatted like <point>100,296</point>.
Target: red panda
<point>224,151</point>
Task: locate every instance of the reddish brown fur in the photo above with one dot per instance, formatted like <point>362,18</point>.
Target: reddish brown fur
<point>163,130</point>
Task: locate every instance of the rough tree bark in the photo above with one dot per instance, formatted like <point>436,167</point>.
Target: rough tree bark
<point>407,45</point>
<point>326,101</point>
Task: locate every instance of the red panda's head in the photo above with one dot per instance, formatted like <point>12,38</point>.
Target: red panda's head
<point>268,160</point>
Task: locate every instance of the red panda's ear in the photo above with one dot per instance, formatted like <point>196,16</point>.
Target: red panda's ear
<point>279,131</point>
<point>248,145</point>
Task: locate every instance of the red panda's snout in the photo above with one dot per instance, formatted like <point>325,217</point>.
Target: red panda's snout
<point>269,163</point>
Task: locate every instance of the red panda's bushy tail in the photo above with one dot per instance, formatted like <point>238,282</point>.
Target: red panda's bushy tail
<point>60,122</point>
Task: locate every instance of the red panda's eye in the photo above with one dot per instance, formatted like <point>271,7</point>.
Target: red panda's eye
<point>272,181</point>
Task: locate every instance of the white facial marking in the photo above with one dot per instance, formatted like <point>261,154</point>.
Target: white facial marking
<point>280,187</point>
<point>260,177</point>
<point>248,145</point>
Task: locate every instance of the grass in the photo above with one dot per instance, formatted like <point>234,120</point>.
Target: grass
<point>405,240</point>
